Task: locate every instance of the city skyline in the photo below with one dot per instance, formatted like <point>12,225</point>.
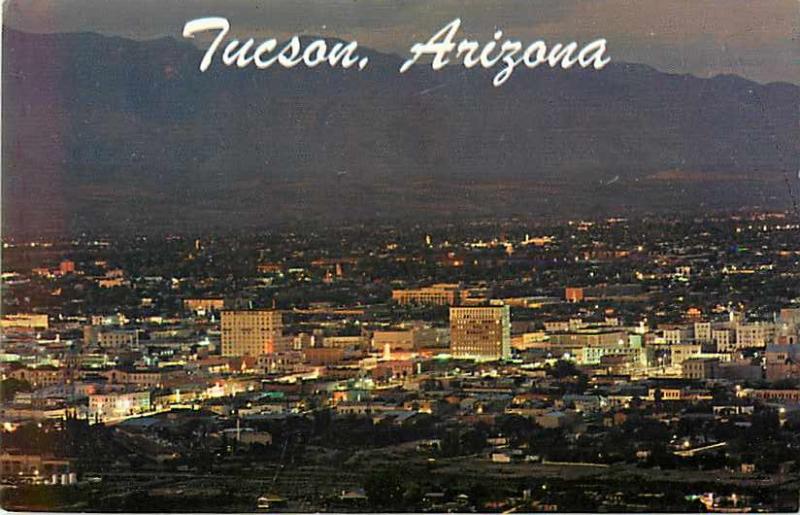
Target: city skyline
<point>592,365</point>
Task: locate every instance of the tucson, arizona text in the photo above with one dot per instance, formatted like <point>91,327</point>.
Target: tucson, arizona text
<point>441,48</point>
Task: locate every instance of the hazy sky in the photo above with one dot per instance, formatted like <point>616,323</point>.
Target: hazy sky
<point>758,39</point>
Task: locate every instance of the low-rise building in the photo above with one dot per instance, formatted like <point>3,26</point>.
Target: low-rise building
<point>24,321</point>
<point>700,368</point>
<point>112,405</point>
<point>438,294</point>
<point>782,362</point>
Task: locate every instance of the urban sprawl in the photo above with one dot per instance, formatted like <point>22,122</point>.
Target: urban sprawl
<point>647,364</point>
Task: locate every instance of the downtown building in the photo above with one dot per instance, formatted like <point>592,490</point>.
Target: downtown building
<point>438,295</point>
<point>110,338</point>
<point>481,332</point>
<point>250,332</point>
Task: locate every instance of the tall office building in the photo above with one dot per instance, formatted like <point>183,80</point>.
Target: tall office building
<point>250,332</point>
<point>757,334</point>
<point>702,331</point>
<point>480,333</point>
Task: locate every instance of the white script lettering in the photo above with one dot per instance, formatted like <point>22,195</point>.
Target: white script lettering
<point>242,55</point>
<point>510,53</point>
<point>442,50</point>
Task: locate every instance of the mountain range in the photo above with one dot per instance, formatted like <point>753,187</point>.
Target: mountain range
<point>109,134</point>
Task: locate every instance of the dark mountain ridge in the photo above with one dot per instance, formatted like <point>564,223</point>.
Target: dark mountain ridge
<point>114,134</point>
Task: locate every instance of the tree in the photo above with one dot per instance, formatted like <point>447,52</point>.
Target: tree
<point>515,426</point>
<point>564,369</point>
<point>9,388</point>
<point>384,488</point>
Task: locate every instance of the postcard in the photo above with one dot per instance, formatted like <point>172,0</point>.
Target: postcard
<point>443,256</point>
